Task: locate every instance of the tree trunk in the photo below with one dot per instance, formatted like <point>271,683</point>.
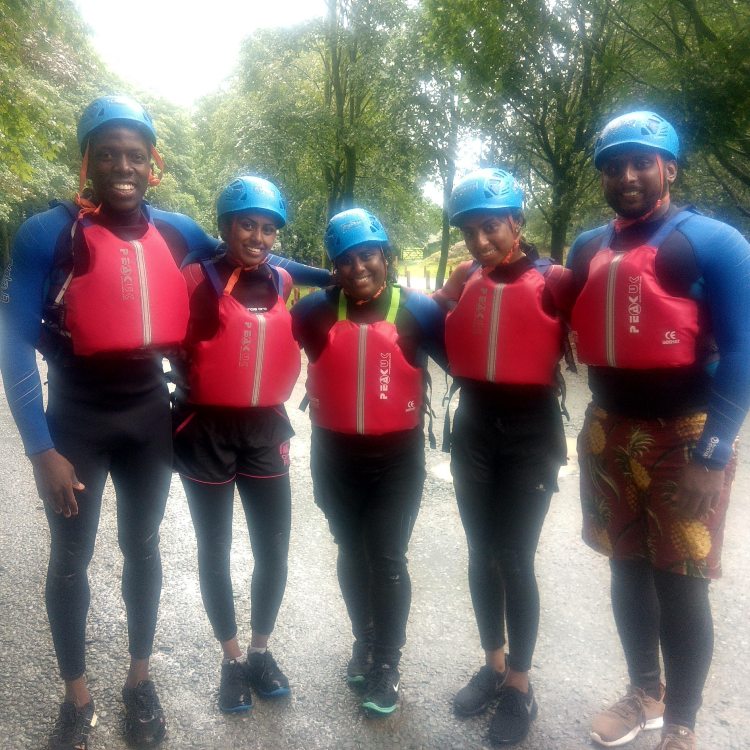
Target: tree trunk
<point>559,220</point>
<point>445,239</point>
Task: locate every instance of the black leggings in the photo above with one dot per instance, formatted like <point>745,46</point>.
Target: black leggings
<point>654,607</point>
<point>267,506</point>
<point>504,469</point>
<point>122,429</point>
<point>370,489</point>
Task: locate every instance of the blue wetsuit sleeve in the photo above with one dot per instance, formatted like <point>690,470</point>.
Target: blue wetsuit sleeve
<point>431,319</point>
<point>200,244</point>
<point>723,257</point>
<point>301,274</point>
<point>24,288</point>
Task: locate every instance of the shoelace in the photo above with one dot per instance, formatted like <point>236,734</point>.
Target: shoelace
<point>146,703</point>
<point>271,669</point>
<point>630,704</point>
<point>72,725</point>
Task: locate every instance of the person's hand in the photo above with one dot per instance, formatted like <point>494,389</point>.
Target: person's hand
<point>698,490</point>
<point>56,481</point>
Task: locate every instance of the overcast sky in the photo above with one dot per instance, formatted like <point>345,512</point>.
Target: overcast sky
<point>182,49</point>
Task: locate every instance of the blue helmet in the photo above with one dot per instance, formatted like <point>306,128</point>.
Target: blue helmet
<point>645,129</point>
<point>250,193</point>
<point>484,190</point>
<point>109,108</point>
<point>351,228</point>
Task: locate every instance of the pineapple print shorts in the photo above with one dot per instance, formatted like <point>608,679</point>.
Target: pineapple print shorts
<point>629,471</point>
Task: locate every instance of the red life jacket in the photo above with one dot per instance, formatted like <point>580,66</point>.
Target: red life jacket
<point>623,317</point>
<point>361,384</point>
<point>500,333</point>
<point>132,297</point>
<point>253,360</point>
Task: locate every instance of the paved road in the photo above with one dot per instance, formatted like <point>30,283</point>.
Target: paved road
<point>577,666</point>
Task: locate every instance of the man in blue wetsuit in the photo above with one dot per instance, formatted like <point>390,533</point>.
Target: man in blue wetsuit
<point>101,296</point>
<point>660,319</point>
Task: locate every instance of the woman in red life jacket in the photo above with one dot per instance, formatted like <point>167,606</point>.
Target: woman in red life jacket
<point>366,340</point>
<point>504,340</point>
<point>240,366</point>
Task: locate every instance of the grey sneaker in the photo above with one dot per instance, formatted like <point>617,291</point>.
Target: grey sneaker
<point>623,721</point>
<point>481,690</point>
<point>513,717</point>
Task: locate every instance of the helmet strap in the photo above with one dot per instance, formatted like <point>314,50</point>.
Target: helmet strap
<point>515,228</point>
<point>86,206</point>
<point>154,180</point>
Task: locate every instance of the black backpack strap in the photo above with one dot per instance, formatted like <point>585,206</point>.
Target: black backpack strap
<point>428,410</point>
<point>562,389</point>
<point>455,385</point>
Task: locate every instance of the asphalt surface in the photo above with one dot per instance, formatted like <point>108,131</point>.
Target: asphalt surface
<point>578,666</point>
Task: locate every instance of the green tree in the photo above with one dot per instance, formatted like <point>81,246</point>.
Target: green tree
<point>694,64</point>
<point>540,77</point>
<point>324,110</point>
<point>48,70</point>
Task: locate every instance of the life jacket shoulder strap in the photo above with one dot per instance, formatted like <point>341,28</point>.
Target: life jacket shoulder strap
<point>209,269</point>
<point>392,307</point>
<point>668,227</point>
<point>659,235</point>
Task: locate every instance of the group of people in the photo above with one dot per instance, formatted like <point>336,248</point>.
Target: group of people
<point>654,304</point>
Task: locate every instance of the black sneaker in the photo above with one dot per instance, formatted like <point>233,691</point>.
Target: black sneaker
<point>360,664</point>
<point>481,690</point>
<point>234,689</point>
<point>72,727</point>
<point>513,717</point>
<point>381,690</point>
<point>144,718</point>
<point>264,675</point>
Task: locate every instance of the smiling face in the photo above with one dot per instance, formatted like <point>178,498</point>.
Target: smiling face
<point>119,166</point>
<point>634,180</point>
<point>249,236</point>
<point>362,271</point>
<point>491,238</point>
